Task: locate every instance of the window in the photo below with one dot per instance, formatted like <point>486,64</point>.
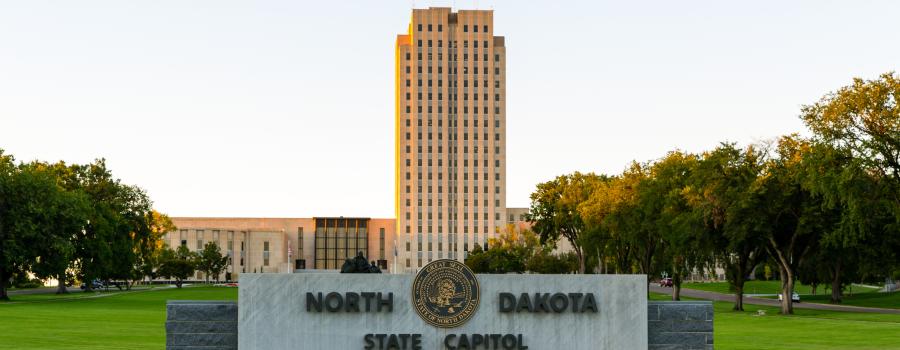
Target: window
<point>466,28</point>
<point>266,253</point>
<point>485,29</point>
<point>420,27</point>
<point>407,57</point>
<point>496,58</point>
<point>475,29</point>
<point>429,27</point>
<point>300,242</point>
<point>440,29</point>
<point>381,236</point>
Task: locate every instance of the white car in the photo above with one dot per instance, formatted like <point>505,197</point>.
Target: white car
<point>794,297</point>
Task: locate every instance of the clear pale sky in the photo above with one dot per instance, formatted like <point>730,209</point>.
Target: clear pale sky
<point>285,108</point>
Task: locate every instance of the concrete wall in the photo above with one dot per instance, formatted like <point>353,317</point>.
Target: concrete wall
<point>680,325</point>
<point>213,325</point>
<point>194,325</point>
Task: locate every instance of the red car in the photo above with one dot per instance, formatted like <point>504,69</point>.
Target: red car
<point>665,282</point>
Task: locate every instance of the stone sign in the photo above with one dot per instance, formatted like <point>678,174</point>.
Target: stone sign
<point>445,306</point>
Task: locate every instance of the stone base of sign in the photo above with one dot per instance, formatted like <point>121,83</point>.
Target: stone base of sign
<point>674,325</point>
<point>195,325</point>
<point>680,325</point>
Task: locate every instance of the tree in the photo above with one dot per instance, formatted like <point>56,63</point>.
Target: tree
<point>732,221</point>
<point>68,211</point>
<point>211,261</point>
<point>795,217</point>
<point>684,248</point>
<point>179,264</point>
<point>478,261</point>
<point>554,210</point>
<point>863,118</point>
<point>545,262</point>
<point>150,243</point>
<point>857,173</point>
<point>32,209</point>
<point>111,243</point>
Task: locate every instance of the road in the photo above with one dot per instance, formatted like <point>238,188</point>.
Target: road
<point>702,294</point>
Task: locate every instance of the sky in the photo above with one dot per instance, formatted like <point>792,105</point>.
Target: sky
<point>285,108</point>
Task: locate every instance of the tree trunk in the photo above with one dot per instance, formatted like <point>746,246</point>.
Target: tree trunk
<point>676,291</point>
<point>61,288</point>
<point>836,284</point>
<point>787,291</point>
<point>3,279</point>
<point>738,293</point>
<point>178,283</point>
<point>580,259</point>
<point>813,287</point>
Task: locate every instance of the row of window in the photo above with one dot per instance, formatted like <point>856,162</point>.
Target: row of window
<point>465,149</point>
<point>440,28</point>
<point>454,216</point>
<point>452,203</point>
<point>430,57</point>
<point>465,176</point>
<point>456,162</point>
<point>451,110</point>
<point>465,136</point>
<point>453,44</point>
<point>454,123</point>
<point>465,229</point>
<point>455,97</point>
<point>454,83</point>
<point>465,190</point>
<point>453,70</point>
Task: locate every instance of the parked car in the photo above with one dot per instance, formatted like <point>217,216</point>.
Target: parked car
<point>794,297</point>
<point>665,282</point>
<point>95,284</point>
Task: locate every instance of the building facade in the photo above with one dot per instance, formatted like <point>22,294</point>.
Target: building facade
<point>450,135</point>
<point>450,165</point>
<point>282,245</point>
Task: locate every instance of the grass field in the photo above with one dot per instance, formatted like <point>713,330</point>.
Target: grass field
<point>118,320</point>
<point>764,287</point>
<point>135,320</point>
<point>806,329</point>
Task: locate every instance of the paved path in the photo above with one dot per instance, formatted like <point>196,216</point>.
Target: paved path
<point>72,290</point>
<point>702,294</point>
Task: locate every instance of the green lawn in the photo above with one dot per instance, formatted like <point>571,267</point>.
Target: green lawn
<point>135,320</point>
<point>124,320</point>
<point>764,287</point>
<point>807,329</point>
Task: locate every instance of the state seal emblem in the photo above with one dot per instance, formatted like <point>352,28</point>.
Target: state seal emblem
<point>445,293</point>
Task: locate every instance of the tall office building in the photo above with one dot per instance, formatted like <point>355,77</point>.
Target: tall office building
<point>450,136</point>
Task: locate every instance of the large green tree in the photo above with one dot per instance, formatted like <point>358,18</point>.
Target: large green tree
<point>211,261</point>
<point>179,264</point>
<point>554,210</point>
<point>684,248</point>
<point>69,210</point>
<point>732,222</point>
<point>35,215</point>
